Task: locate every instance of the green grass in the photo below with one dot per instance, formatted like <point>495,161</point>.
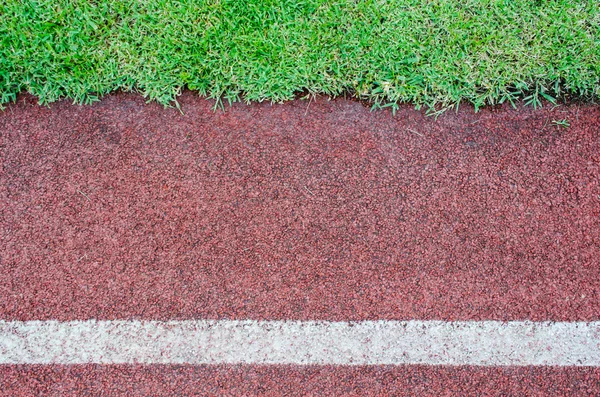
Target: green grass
<point>436,53</point>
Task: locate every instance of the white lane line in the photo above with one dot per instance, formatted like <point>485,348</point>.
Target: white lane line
<point>301,342</point>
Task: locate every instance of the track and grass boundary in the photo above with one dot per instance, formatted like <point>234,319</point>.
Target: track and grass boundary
<point>433,53</point>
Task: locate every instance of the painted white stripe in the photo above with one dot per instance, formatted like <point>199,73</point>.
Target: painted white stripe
<point>301,342</point>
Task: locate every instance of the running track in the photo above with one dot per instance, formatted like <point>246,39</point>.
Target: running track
<point>346,252</point>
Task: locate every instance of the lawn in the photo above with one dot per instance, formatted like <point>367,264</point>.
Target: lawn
<point>433,53</point>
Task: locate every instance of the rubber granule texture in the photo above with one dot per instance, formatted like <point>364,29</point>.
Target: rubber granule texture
<point>307,210</point>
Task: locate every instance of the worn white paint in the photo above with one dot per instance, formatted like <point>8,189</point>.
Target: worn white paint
<point>301,342</point>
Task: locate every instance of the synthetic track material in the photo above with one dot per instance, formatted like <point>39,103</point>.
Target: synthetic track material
<point>319,210</point>
<point>315,210</point>
<point>251,380</point>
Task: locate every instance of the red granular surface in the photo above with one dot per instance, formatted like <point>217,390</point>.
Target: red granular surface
<point>319,210</point>
<point>243,380</point>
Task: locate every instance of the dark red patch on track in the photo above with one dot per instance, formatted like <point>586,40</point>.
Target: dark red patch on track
<point>123,380</point>
<point>328,211</point>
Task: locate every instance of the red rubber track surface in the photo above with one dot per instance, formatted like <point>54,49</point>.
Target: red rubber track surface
<point>297,381</point>
<point>307,210</point>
